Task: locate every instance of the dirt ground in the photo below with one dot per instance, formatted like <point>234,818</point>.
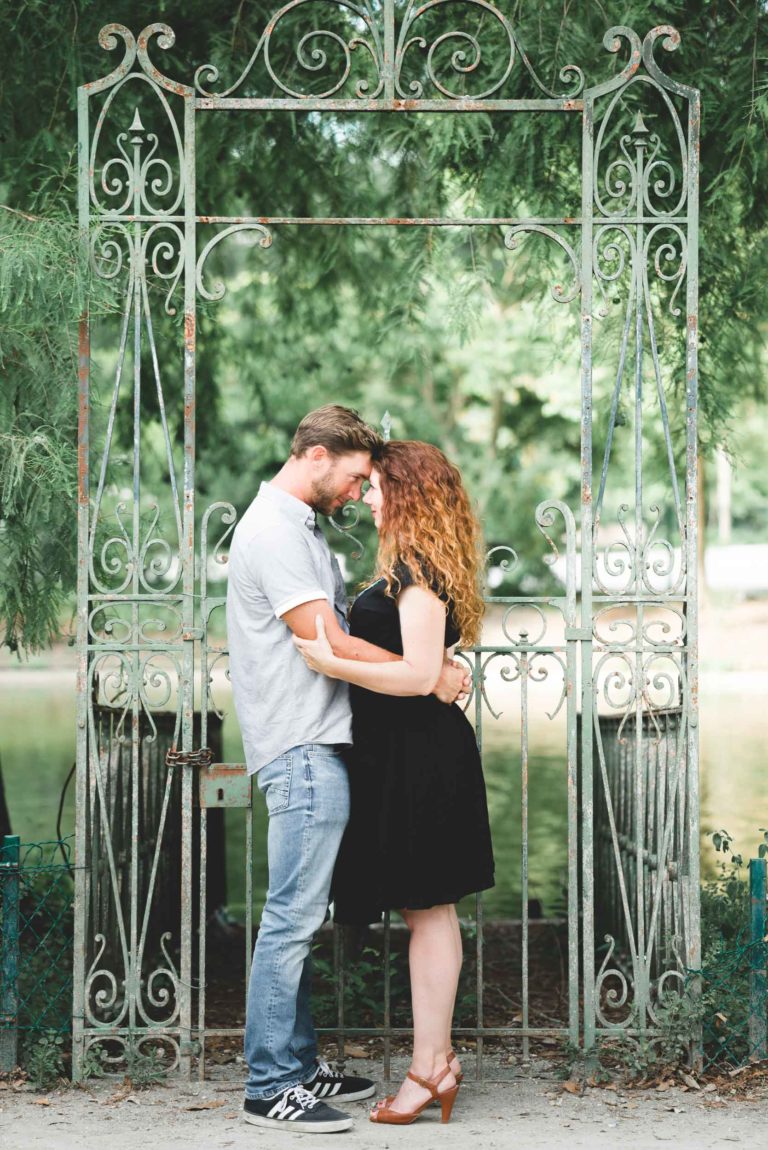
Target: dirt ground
<point>532,1108</point>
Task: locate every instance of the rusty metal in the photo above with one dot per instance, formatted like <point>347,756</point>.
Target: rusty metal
<point>200,758</point>
<point>621,637</point>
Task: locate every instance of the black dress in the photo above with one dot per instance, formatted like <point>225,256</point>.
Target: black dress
<point>418,834</point>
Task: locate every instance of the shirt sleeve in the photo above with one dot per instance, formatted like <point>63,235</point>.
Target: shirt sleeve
<point>282,566</point>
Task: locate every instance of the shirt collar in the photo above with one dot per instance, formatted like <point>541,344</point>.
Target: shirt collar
<point>289,505</point>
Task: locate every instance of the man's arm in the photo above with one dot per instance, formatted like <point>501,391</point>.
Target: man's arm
<point>301,621</point>
<point>453,683</point>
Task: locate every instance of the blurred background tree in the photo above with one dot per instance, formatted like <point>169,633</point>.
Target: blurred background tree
<point>453,334</point>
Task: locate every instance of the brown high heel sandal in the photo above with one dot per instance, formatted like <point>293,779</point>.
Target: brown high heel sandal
<point>457,1074</point>
<point>382,1112</point>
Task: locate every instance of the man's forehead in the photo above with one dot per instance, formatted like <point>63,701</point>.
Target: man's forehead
<point>356,463</point>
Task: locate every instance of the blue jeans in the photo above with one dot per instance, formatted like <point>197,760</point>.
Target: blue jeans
<point>307,795</point>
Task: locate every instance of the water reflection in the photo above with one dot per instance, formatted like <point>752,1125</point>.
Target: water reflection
<point>37,746</point>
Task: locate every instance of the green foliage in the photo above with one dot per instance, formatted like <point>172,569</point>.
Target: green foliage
<point>144,1067</point>
<point>727,954</point>
<point>43,1060</point>
<point>676,1019</point>
<point>456,336</point>
<point>362,986</point>
<point>95,1064</point>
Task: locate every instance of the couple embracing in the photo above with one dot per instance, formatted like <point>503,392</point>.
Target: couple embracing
<point>371,776</point>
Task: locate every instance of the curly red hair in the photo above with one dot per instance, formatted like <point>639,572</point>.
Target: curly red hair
<point>428,524</point>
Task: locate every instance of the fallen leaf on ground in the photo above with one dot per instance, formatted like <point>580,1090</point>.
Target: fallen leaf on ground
<point>42,1102</point>
<point>207,1104</point>
<point>572,1086</point>
<point>354,1051</point>
<point>689,1081</point>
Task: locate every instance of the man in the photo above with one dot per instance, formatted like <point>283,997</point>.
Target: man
<point>295,726</point>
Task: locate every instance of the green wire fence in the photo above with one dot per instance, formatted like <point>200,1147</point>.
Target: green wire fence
<point>36,941</point>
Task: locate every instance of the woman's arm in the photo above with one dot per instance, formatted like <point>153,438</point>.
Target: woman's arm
<point>422,626</point>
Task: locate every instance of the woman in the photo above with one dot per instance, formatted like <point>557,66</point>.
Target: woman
<point>418,839</point>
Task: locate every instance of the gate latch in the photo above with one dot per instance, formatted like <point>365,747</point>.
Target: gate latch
<point>225,785</point>
<point>582,633</point>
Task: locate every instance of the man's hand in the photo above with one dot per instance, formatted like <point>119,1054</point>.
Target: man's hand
<point>454,683</point>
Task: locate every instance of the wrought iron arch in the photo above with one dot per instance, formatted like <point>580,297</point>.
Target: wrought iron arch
<point>627,648</point>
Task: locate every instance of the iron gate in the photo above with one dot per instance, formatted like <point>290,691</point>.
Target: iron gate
<point>621,635</point>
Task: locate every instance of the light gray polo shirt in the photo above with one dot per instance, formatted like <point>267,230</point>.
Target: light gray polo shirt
<point>279,559</point>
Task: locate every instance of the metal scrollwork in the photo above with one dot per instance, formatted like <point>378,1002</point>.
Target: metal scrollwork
<point>669,259</point>
<point>503,557</point>
<point>311,53</point>
<point>465,53</point>
<point>218,290</point>
<point>464,58</point>
<point>640,180</point>
<point>558,292</point>
<point>613,997</point>
<point>613,251</point>
<point>524,637</point>
<point>139,180</point>
<point>217,556</point>
<point>349,511</point>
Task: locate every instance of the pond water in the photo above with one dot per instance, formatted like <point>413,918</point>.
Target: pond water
<point>37,747</point>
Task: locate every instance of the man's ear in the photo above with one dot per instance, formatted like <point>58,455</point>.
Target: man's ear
<point>317,454</point>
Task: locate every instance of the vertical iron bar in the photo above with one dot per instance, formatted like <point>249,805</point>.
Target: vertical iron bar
<point>388,63</point>
<point>571,656</point>
<point>524,847</point>
<point>133,973</point>
<point>188,569</point>
<point>637,830</point>
<point>203,927</point>
<point>9,953</point>
<point>83,497</point>
<point>339,961</point>
<point>249,889</point>
<point>690,877</point>
<point>478,684</point>
<point>480,975</point>
<point>758,984</point>
<point>387,998</point>
<point>587,550</point>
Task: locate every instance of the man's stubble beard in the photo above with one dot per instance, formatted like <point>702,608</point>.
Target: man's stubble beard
<point>323,496</point>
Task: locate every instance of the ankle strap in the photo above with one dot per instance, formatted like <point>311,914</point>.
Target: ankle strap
<point>430,1084</point>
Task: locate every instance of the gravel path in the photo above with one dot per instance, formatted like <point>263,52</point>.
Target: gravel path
<point>532,1110</point>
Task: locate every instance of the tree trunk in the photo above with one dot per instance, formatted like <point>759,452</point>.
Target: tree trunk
<point>724,490</point>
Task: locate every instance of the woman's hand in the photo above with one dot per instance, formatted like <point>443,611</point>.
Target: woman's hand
<point>317,653</point>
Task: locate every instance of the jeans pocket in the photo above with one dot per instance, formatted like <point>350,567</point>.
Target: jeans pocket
<point>276,784</point>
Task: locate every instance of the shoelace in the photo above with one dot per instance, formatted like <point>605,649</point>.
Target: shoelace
<point>324,1068</point>
<point>300,1096</point>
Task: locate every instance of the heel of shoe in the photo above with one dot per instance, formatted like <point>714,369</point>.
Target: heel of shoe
<point>446,1100</point>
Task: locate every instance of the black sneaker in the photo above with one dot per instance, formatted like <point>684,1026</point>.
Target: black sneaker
<point>295,1109</point>
<point>326,1083</point>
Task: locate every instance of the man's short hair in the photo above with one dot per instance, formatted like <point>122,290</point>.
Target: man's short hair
<point>338,429</point>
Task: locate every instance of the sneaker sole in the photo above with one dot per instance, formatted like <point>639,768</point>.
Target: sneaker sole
<point>336,1126</point>
<point>354,1096</point>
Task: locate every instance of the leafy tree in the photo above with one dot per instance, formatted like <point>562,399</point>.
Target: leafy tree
<point>433,325</point>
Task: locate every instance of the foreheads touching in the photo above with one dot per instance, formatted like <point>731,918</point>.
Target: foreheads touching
<point>336,448</point>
